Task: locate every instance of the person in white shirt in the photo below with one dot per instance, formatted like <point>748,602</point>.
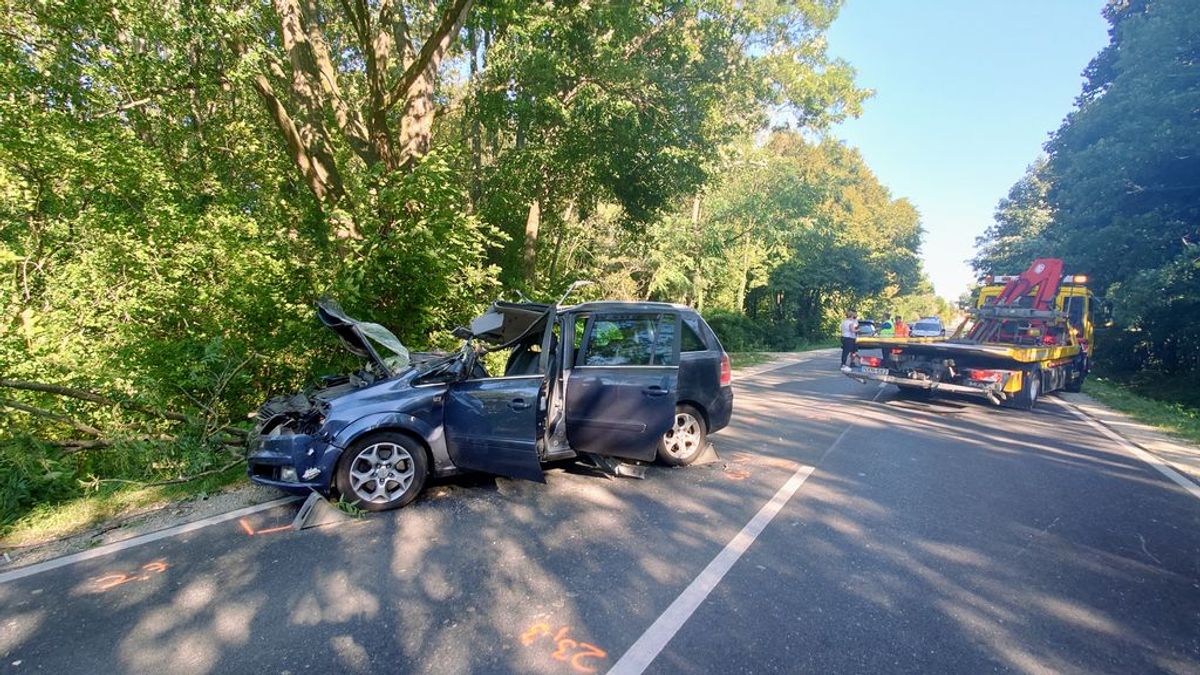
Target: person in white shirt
<point>849,336</point>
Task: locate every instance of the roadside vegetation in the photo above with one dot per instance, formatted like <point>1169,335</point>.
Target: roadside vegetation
<point>1173,418</point>
<point>1117,196</point>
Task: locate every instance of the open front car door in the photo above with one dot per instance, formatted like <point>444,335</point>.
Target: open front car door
<point>492,425</point>
<point>621,388</point>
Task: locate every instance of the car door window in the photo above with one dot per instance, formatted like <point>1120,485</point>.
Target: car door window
<point>630,340</point>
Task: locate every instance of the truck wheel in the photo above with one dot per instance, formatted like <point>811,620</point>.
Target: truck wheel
<point>1075,384</point>
<point>1031,388</point>
<point>382,471</point>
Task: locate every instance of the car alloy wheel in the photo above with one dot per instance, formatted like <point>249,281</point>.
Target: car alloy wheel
<point>381,472</point>
<point>685,440</point>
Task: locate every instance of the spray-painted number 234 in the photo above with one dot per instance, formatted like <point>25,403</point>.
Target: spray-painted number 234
<point>570,651</point>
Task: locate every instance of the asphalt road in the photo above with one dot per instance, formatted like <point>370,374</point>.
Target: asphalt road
<point>930,537</point>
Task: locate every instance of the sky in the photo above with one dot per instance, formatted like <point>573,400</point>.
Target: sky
<point>966,93</point>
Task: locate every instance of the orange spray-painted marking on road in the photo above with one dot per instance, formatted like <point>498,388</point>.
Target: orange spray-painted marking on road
<point>566,649</point>
<point>110,581</point>
<point>250,531</point>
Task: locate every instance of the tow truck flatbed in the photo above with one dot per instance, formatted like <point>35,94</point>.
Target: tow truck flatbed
<point>1027,335</point>
<point>1018,353</point>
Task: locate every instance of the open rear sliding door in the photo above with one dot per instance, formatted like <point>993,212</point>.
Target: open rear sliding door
<point>621,391</point>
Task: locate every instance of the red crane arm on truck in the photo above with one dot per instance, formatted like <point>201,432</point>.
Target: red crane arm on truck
<point>1045,273</point>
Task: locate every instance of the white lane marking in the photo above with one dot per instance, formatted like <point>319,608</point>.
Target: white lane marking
<point>639,656</point>
<point>138,541</point>
<point>1153,460</point>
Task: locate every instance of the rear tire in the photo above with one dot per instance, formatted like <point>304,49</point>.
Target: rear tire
<point>1031,389</point>
<point>685,440</point>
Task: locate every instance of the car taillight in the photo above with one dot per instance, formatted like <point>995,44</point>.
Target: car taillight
<point>872,361</point>
<point>986,375</point>
<point>726,371</point>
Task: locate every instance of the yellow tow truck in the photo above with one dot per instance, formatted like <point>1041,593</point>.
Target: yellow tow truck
<point>1027,335</point>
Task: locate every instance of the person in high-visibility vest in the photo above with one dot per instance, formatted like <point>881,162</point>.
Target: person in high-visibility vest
<point>900,327</point>
<point>886,329</point>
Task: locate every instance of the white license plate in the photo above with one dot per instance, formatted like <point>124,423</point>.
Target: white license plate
<point>875,371</point>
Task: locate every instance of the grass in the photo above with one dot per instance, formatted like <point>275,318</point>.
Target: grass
<point>1173,418</point>
<point>739,360</point>
<point>746,359</point>
<point>48,522</point>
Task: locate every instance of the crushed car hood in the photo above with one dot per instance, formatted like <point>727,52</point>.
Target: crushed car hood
<point>368,340</point>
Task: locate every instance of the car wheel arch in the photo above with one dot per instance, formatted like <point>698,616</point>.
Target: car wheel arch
<point>700,409</point>
<point>391,429</point>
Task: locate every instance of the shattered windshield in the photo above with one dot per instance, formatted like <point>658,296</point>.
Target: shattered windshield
<point>394,354</point>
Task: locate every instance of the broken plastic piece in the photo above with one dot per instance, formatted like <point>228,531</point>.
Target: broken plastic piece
<point>317,511</point>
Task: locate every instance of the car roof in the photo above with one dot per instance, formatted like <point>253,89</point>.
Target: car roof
<point>627,305</point>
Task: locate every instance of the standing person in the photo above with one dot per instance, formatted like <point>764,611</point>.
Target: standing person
<point>849,329</point>
<point>900,327</point>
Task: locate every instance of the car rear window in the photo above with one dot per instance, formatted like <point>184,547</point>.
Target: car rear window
<point>691,341</point>
<point>631,340</point>
<point>927,326</point>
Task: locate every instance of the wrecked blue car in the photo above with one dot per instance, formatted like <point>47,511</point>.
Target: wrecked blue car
<point>609,381</point>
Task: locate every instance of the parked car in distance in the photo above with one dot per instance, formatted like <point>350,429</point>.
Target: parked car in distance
<point>928,327</point>
<point>632,380</point>
<point>866,328</point>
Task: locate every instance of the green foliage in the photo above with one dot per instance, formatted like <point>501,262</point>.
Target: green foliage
<point>737,332</point>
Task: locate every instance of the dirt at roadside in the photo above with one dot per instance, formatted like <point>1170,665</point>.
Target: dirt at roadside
<point>142,521</point>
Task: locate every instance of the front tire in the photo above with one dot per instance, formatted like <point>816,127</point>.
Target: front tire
<point>685,440</point>
<point>382,471</point>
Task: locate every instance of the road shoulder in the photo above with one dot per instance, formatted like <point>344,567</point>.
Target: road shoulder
<point>1183,456</point>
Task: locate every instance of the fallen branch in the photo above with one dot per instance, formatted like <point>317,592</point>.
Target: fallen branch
<point>72,446</point>
<point>93,397</point>
<point>174,481</point>
<point>38,412</point>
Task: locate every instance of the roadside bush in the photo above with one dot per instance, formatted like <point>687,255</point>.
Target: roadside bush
<point>737,332</point>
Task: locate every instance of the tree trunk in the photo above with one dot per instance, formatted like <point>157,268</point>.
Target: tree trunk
<point>745,281</point>
<point>697,274</point>
<point>322,171</point>
<point>476,129</point>
<point>533,222</point>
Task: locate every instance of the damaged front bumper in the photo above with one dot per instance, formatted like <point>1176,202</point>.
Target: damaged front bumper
<point>289,450</point>
<point>290,462</point>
